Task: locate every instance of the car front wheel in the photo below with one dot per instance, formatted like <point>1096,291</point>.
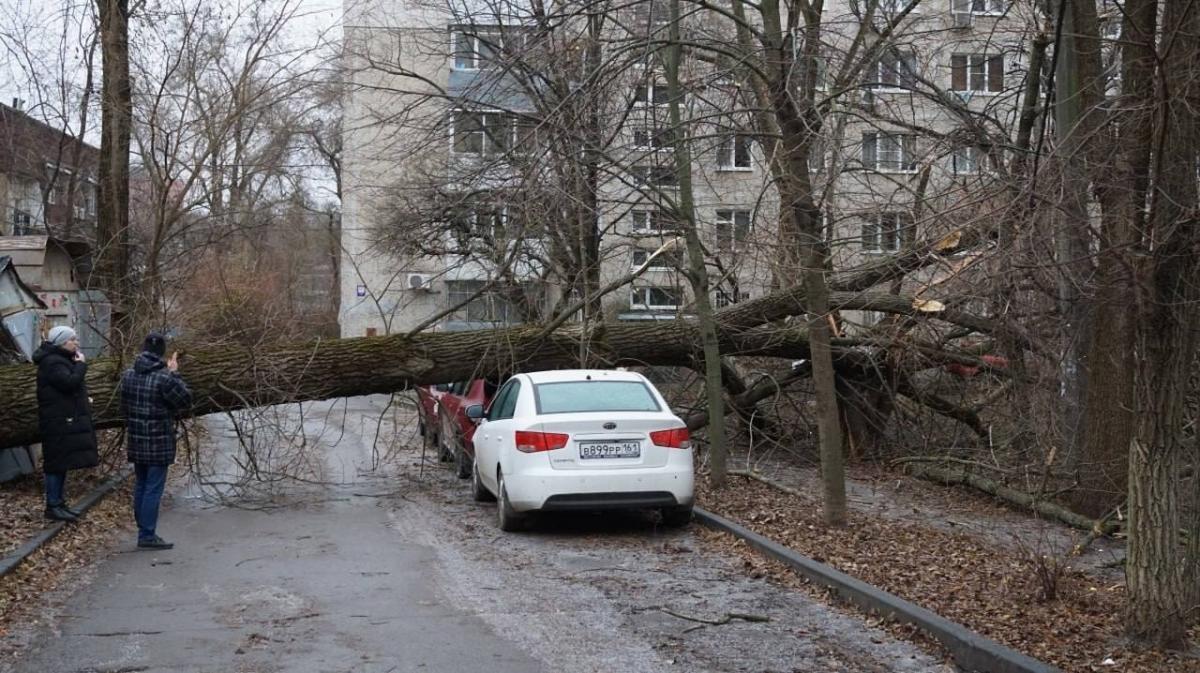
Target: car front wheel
<point>510,521</point>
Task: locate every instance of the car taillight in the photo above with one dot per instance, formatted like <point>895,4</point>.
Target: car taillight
<point>533,442</point>
<point>675,438</point>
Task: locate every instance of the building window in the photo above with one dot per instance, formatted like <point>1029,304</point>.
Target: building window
<point>651,14</point>
<point>969,160</point>
<point>22,222</point>
<point>894,69</point>
<point>651,222</point>
<point>653,298</point>
<point>655,176</point>
<point>734,154</point>
<point>473,50</point>
<point>651,93</point>
<point>724,298</point>
<point>884,232</point>
<point>89,197</point>
<point>484,220</point>
<point>979,7</point>
<point>492,305</point>
<point>733,229</point>
<point>668,259</point>
<point>977,73</point>
<point>650,138</point>
<point>889,152</point>
<point>482,133</point>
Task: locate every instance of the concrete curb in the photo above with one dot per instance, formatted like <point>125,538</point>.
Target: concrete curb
<point>12,561</point>
<point>971,651</point>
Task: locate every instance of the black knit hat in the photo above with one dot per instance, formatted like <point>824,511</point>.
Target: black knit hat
<point>155,343</point>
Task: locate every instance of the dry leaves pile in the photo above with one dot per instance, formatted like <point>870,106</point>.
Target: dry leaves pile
<point>22,501</point>
<point>57,564</point>
<point>991,590</point>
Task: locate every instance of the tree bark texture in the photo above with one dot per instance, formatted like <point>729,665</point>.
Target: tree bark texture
<point>1160,608</point>
<point>1108,423</point>
<point>697,272</point>
<point>233,377</point>
<point>116,114</point>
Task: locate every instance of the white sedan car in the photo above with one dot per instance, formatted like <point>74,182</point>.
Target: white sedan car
<point>581,440</point>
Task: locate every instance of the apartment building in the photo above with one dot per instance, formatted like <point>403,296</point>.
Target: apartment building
<point>448,175</point>
<point>47,179</point>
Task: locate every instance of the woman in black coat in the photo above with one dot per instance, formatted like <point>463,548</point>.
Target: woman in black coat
<point>64,417</point>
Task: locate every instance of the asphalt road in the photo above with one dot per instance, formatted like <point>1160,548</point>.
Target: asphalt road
<point>377,570</point>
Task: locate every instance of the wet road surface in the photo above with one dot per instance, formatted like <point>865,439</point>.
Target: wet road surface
<point>379,571</point>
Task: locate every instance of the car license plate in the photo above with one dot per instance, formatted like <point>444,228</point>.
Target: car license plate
<point>602,450</point>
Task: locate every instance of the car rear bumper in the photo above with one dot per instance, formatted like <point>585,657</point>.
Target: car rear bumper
<point>554,490</point>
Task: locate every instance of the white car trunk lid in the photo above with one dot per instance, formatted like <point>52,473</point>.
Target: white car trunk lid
<point>604,435</point>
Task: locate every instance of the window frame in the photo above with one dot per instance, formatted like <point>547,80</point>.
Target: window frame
<point>903,144</point>
<point>991,7</point>
<point>651,86</point>
<point>668,260</point>
<point>642,174</point>
<point>488,147</point>
<point>647,305</point>
<point>879,236</point>
<point>653,138</point>
<point>966,69</point>
<point>493,39</point>
<point>738,234</point>
<point>728,152</point>
<point>903,69</point>
<point>652,216</point>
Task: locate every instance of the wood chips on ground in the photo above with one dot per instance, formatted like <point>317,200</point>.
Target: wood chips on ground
<point>992,591</point>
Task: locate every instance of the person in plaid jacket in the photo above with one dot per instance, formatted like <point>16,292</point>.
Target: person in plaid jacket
<point>152,395</point>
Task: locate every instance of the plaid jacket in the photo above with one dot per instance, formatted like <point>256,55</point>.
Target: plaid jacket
<point>151,396</point>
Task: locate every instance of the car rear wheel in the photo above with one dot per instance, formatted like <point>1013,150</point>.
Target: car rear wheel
<point>479,492</point>
<point>676,517</point>
<point>508,518</point>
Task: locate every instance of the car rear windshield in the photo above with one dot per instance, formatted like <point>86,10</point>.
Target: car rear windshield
<point>573,396</point>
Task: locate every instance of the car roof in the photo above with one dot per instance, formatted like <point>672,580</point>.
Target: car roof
<point>562,375</point>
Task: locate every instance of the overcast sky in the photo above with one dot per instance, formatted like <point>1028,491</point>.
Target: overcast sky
<point>45,37</point>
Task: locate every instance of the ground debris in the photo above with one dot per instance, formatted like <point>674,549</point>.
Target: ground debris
<point>990,589</point>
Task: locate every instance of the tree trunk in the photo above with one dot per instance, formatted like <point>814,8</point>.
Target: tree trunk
<point>116,102</point>
<point>697,273</point>
<point>1160,588</point>
<point>235,377</point>
<point>1072,235</point>
<point>1108,423</point>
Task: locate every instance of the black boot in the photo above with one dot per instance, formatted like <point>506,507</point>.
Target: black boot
<point>60,513</point>
<point>155,542</point>
<point>72,511</point>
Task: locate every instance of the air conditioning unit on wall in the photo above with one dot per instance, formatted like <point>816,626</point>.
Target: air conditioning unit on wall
<point>420,282</point>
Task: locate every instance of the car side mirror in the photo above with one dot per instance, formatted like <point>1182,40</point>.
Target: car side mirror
<point>475,412</point>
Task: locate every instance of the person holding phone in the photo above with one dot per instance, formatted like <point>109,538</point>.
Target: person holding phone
<point>153,394</point>
<point>64,417</point>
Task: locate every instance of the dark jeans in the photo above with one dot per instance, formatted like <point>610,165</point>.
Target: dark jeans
<point>56,486</point>
<point>147,492</point>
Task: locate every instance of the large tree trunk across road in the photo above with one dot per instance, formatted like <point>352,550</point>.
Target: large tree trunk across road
<point>233,377</point>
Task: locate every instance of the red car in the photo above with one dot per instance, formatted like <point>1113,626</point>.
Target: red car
<point>455,430</point>
<point>428,404</point>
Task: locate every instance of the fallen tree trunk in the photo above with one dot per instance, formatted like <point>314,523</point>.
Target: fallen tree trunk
<point>232,378</point>
<point>235,377</point>
<point>961,477</point>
